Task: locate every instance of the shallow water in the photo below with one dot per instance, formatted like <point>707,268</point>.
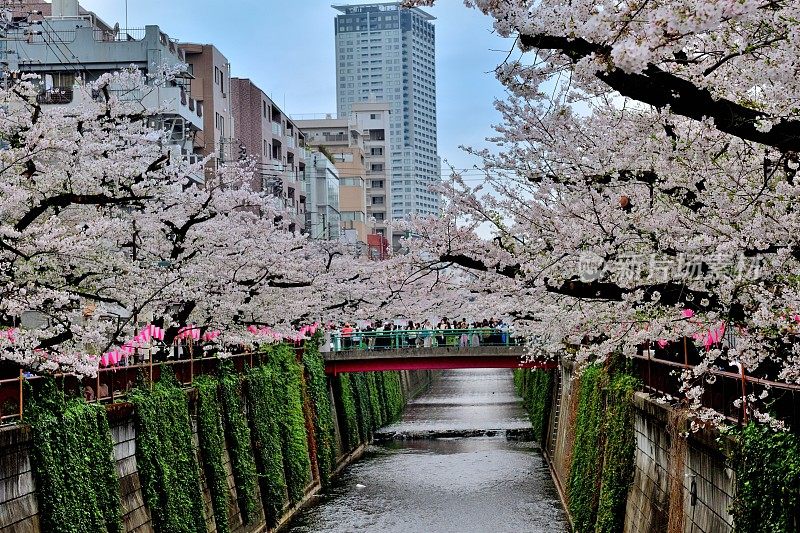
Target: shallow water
<point>480,484</point>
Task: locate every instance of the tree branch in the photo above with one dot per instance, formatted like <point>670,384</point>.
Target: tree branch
<point>658,88</point>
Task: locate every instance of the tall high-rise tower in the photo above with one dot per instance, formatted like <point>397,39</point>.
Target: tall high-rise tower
<point>387,53</point>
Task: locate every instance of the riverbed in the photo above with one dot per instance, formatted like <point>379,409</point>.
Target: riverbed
<point>458,484</point>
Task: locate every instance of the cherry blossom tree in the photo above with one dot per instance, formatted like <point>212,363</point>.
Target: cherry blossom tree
<point>105,228</point>
<point>645,190</point>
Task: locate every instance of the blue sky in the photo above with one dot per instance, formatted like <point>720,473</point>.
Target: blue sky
<point>286,47</point>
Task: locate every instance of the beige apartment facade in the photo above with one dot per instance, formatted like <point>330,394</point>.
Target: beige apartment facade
<point>343,140</point>
<point>372,120</point>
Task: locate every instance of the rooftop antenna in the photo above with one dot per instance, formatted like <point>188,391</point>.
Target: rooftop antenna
<point>126,15</point>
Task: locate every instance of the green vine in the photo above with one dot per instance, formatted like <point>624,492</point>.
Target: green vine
<point>374,401</point>
<point>212,443</point>
<point>587,453</point>
<point>240,449</point>
<point>535,388</point>
<point>350,435</point>
<point>323,417</point>
<point>393,394</point>
<point>381,392</point>
<point>72,461</point>
<point>767,465</point>
<point>166,457</point>
<point>363,410</point>
<point>618,461</point>
<point>264,410</point>
<point>297,464</point>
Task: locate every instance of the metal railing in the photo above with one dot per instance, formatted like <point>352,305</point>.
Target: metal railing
<point>48,35</point>
<point>113,383</point>
<point>56,95</point>
<point>129,34</point>
<point>330,137</point>
<point>403,339</point>
<point>723,391</point>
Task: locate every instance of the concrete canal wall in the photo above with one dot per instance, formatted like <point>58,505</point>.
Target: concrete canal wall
<point>679,484</point>
<point>20,499</point>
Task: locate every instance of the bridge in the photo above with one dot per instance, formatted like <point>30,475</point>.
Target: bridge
<point>446,357</point>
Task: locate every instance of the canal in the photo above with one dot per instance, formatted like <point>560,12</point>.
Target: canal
<point>445,484</point>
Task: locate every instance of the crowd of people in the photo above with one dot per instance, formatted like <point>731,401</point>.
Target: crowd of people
<point>384,336</point>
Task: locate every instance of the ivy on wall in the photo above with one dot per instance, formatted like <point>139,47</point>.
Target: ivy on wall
<point>166,457</point>
<point>266,438</point>
<point>363,409</point>
<point>240,448</point>
<point>393,396</point>
<point>618,461</point>
<point>264,411</point>
<point>292,422</point>
<point>323,418</point>
<point>381,395</point>
<point>212,442</point>
<point>587,453</point>
<point>535,388</point>
<point>349,418</point>
<point>73,464</point>
<point>767,465</point>
<point>374,401</point>
<point>602,463</point>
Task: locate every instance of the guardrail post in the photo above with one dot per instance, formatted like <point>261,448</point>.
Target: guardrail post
<point>21,394</point>
<point>744,394</point>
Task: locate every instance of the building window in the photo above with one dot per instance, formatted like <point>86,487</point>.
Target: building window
<point>220,123</point>
<point>377,184</point>
<point>377,200</point>
<point>376,167</point>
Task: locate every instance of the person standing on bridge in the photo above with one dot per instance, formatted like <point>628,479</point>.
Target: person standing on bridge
<point>475,339</point>
<point>427,334</point>
<point>503,327</point>
<point>463,341</point>
<point>347,340</point>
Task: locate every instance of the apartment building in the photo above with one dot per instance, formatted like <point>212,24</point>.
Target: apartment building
<point>372,120</point>
<point>211,84</point>
<point>71,46</point>
<point>343,140</point>
<point>274,142</point>
<point>386,52</point>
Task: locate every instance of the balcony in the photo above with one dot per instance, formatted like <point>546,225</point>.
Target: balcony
<point>290,143</point>
<point>277,129</point>
<point>173,100</point>
<point>336,137</point>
